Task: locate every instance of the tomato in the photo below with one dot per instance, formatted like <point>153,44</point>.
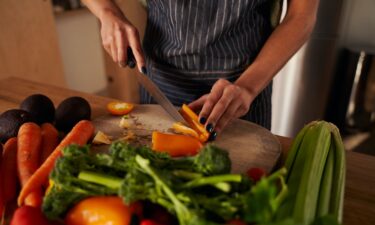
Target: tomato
<point>256,173</point>
<point>119,108</point>
<point>28,215</point>
<point>149,222</point>
<point>236,222</point>
<point>98,211</point>
<point>137,209</point>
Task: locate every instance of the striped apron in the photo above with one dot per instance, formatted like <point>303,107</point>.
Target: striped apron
<point>190,44</point>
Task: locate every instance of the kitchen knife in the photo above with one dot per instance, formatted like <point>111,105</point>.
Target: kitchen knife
<point>154,91</point>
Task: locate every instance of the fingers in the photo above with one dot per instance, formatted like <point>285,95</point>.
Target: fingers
<point>220,107</point>
<point>117,35</point>
<point>135,44</point>
<point>198,104</point>
<point>212,98</point>
<point>225,102</point>
<point>121,45</point>
<point>228,116</point>
<point>113,51</point>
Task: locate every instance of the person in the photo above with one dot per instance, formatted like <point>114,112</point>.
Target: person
<point>218,55</point>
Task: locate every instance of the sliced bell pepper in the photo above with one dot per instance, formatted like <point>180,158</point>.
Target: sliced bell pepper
<point>119,108</point>
<point>179,127</point>
<point>175,144</point>
<point>192,119</point>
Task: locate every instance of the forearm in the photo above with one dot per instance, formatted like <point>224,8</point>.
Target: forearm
<point>286,39</point>
<point>99,7</point>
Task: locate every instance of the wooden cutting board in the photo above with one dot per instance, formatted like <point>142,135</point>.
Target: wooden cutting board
<point>249,145</point>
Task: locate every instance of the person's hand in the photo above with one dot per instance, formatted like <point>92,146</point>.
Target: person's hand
<point>117,35</point>
<point>225,102</point>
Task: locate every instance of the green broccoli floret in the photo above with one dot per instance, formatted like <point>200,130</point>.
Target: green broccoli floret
<point>211,160</point>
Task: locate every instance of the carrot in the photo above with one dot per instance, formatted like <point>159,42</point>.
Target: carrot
<point>35,198</point>
<point>9,170</point>
<point>50,139</point>
<point>80,134</point>
<point>175,144</point>
<point>29,141</point>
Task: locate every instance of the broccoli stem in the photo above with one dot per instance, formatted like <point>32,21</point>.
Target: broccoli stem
<point>213,180</point>
<point>102,179</point>
<point>186,174</point>
<point>223,186</point>
<point>183,213</point>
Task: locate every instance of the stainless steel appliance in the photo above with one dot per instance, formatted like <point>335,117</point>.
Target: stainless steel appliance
<point>302,88</point>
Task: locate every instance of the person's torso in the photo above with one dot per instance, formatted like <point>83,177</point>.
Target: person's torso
<point>206,35</point>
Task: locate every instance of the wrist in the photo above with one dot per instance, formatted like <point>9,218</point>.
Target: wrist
<point>249,91</point>
<point>109,12</point>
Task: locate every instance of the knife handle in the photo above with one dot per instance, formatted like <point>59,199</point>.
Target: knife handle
<point>131,59</point>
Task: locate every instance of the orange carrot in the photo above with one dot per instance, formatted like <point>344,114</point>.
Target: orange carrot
<point>35,198</point>
<point>80,134</point>
<point>9,170</point>
<point>50,139</point>
<point>29,141</point>
<point>175,144</point>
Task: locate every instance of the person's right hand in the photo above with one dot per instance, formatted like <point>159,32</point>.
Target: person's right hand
<point>117,35</point>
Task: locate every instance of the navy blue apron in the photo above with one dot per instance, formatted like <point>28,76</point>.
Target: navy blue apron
<point>190,44</point>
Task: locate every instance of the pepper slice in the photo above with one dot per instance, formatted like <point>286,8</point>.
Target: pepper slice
<point>179,127</point>
<point>175,144</point>
<point>192,119</point>
<point>119,108</point>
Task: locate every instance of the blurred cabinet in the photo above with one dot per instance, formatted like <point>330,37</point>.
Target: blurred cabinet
<point>81,51</point>
<point>28,42</point>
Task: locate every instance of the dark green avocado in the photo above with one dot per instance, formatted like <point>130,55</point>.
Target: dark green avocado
<point>10,122</point>
<point>71,111</point>
<point>40,107</point>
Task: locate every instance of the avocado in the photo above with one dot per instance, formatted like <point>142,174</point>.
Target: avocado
<point>40,107</point>
<point>10,122</point>
<point>71,111</point>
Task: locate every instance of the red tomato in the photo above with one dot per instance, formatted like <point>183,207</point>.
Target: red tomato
<point>27,215</point>
<point>236,222</point>
<point>98,211</point>
<point>149,222</point>
<point>256,173</point>
<point>137,209</point>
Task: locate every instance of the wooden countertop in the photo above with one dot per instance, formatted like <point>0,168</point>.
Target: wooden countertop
<point>359,203</point>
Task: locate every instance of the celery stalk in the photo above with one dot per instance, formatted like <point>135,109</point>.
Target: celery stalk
<point>295,173</point>
<point>292,154</point>
<point>316,148</point>
<point>326,184</point>
<point>338,185</point>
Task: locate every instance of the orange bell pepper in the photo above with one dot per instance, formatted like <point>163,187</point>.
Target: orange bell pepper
<point>179,127</point>
<point>192,119</point>
<point>175,144</point>
<point>99,210</point>
<point>119,108</point>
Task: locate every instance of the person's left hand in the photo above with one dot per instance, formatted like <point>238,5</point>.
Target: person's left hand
<point>225,102</point>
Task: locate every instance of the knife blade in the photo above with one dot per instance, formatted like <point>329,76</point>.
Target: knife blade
<point>159,96</point>
<point>154,91</point>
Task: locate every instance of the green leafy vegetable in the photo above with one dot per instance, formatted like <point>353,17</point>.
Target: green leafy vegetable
<point>197,190</point>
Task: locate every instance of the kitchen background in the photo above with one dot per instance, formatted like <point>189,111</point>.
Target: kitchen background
<point>332,77</point>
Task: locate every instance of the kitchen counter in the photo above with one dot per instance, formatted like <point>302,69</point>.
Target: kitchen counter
<point>359,203</point>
